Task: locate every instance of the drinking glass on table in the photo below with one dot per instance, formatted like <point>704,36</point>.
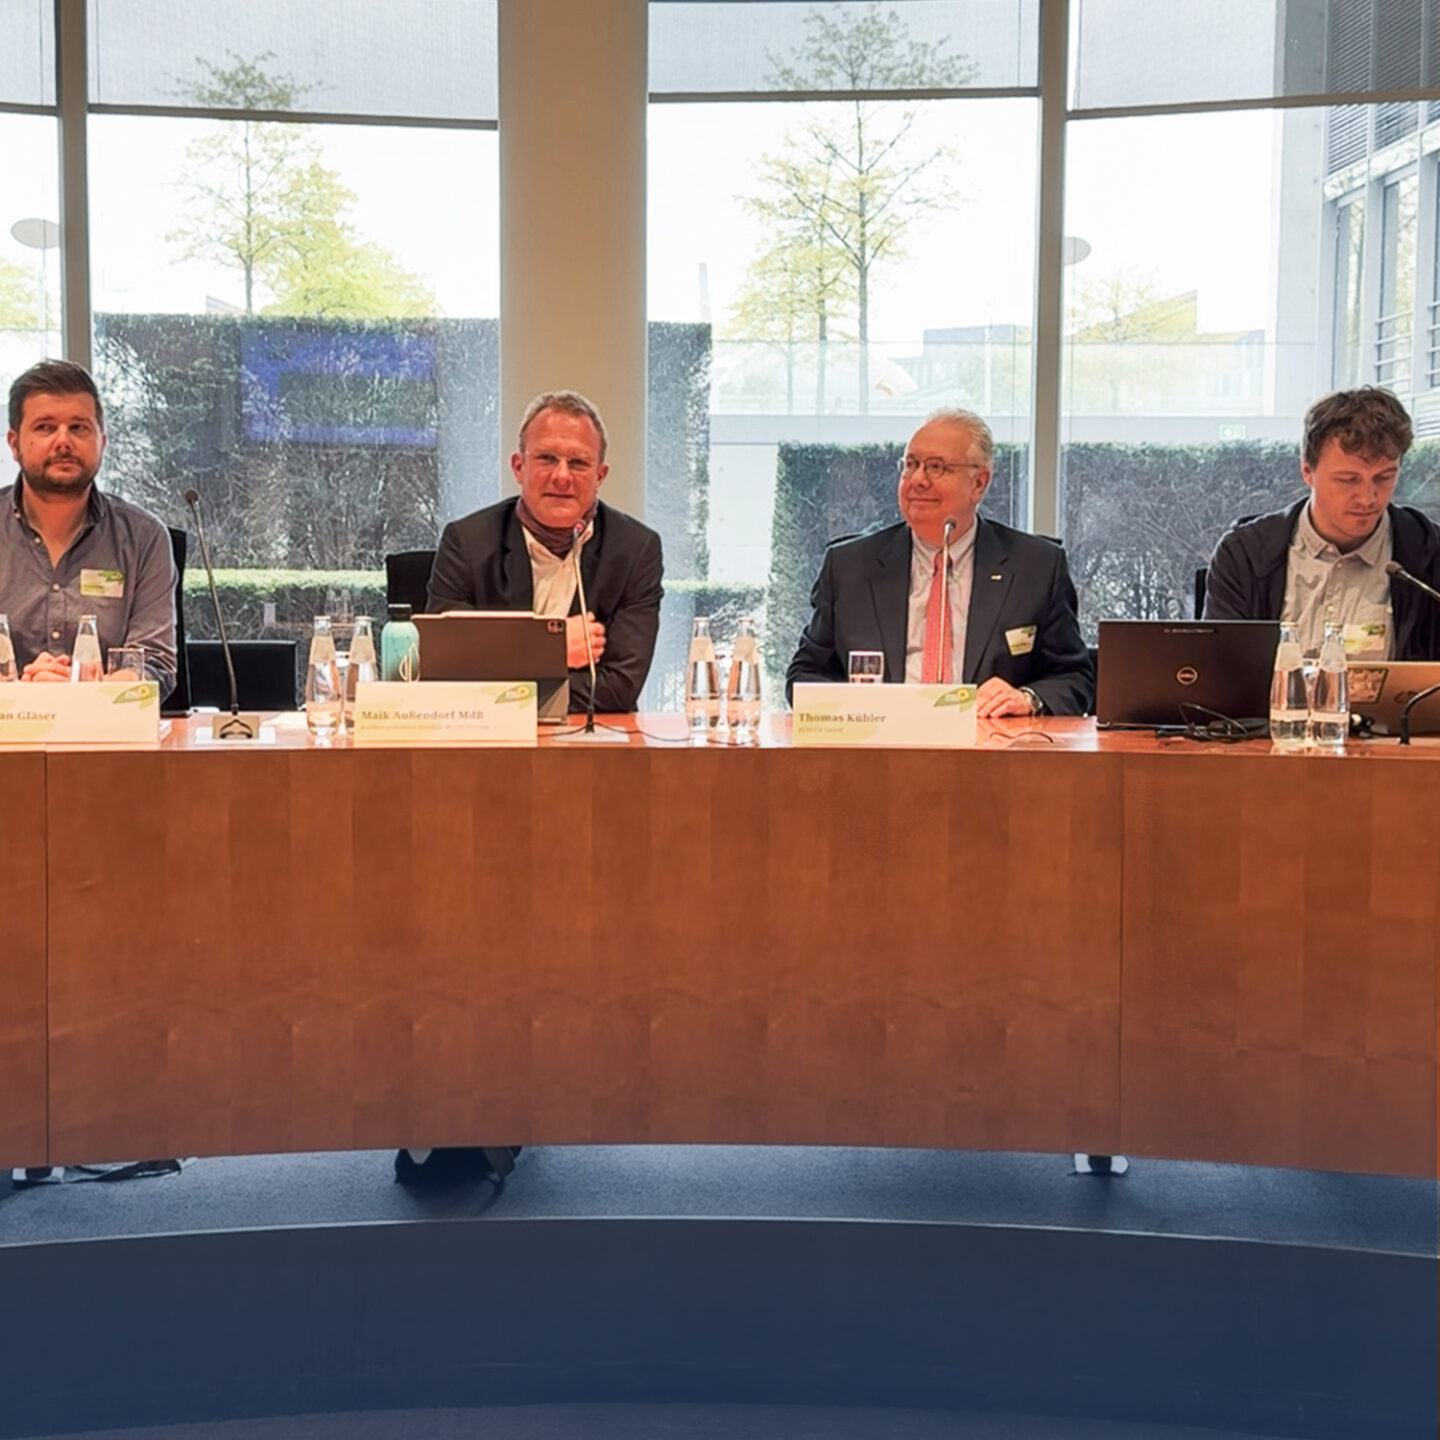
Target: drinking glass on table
<point>8,668</point>
<point>867,667</point>
<point>125,662</point>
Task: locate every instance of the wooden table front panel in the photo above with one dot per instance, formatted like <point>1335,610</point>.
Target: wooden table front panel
<point>299,949</point>
<point>1282,939</point>
<point>22,960</point>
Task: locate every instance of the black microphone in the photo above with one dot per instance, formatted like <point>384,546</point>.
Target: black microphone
<point>236,726</point>
<point>945,625</point>
<point>580,526</point>
<point>1397,571</point>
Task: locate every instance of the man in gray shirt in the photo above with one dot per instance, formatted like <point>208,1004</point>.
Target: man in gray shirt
<point>66,550</point>
<point>1324,558</point>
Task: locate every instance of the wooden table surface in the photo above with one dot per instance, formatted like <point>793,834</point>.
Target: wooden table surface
<point>1060,940</point>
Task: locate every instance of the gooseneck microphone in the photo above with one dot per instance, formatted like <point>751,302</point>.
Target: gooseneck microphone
<point>236,726</point>
<point>1397,571</point>
<point>585,621</point>
<point>945,677</point>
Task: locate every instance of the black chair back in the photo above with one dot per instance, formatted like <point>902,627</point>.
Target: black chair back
<point>407,578</point>
<point>178,701</point>
<point>265,674</point>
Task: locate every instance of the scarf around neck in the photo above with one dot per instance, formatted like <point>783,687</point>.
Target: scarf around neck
<point>557,539</point>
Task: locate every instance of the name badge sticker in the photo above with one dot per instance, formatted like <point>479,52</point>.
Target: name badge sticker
<point>1365,640</point>
<point>1021,639</point>
<point>105,584</point>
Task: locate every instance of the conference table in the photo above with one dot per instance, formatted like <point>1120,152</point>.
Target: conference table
<point>1059,940</point>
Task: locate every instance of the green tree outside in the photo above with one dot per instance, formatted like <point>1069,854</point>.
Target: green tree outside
<point>849,180</point>
<point>259,199</point>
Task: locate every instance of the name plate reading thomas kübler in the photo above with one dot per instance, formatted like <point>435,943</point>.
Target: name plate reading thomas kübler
<point>912,716</point>
<point>105,712</point>
<point>445,712</point>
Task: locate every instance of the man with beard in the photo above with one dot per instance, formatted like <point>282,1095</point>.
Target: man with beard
<point>66,549</point>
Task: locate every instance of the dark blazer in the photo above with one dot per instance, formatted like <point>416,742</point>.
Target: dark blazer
<point>861,602</point>
<point>482,564</point>
<point>1246,579</point>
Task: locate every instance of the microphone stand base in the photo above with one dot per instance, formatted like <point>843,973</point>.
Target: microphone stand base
<point>235,727</point>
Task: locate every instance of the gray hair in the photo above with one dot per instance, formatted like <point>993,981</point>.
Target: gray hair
<point>568,402</point>
<point>979,430</point>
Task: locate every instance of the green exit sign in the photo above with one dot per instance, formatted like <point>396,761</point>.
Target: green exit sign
<point>1234,431</point>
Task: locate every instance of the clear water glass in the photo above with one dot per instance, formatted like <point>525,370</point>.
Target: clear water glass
<point>867,667</point>
<point>9,670</point>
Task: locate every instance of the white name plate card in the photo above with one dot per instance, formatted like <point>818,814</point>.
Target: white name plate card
<point>107,712</point>
<point>445,712</point>
<point>919,716</point>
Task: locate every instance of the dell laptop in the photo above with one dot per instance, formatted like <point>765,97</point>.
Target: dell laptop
<point>1160,673</point>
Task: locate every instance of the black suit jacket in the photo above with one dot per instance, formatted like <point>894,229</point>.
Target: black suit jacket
<point>1246,579</point>
<point>862,596</point>
<point>482,564</point>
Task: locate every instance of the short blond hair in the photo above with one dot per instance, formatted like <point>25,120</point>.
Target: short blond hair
<point>568,402</point>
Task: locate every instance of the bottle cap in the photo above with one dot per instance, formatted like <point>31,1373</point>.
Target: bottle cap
<point>399,612</point>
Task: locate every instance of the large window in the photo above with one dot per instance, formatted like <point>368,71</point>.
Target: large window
<point>297,318</point>
<point>29,245</point>
<point>859,261</point>
<point>1226,267</point>
<point>292,246</point>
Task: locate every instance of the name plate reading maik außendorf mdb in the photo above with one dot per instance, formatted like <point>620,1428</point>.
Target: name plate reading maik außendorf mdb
<point>917,716</point>
<point>445,712</point>
<point>105,712</point>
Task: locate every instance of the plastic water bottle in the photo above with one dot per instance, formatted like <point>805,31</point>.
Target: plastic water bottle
<point>400,646</point>
<point>1330,697</point>
<point>363,667</point>
<point>9,670</point>
<point>1289,699</point>
<point>324,699</point>
<point>86,662</point>
<point>742,707</point>
<point>702,679</point>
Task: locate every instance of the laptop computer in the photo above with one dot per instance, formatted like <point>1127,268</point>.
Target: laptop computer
<point>1148,669</point>
<point>1379,690</point>
<point>499,645</point>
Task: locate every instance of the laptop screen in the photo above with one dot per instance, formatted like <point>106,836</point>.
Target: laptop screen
<point>1169,672</point>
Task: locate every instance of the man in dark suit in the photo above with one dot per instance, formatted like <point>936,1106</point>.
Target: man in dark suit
<point>1000,615</point>
<point>521,554</point>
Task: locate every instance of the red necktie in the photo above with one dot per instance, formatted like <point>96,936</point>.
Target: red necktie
<point>935,659</point>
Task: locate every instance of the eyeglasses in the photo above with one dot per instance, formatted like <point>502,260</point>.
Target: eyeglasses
<point>935,468</point>
<point>546,461</point>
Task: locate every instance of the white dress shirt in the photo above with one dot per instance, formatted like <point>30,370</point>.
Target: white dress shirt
<point>962,574</point>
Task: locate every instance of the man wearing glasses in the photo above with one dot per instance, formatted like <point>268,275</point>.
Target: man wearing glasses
<point>999,614</point>
<point>521,554</point>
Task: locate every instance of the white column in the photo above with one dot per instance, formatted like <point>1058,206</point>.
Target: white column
<point>70,51</point>
<point>573,91</point>
<point>1045,499</point>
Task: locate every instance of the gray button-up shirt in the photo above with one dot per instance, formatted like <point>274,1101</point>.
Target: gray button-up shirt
<point>119,568</point>
<point>1352,590</point>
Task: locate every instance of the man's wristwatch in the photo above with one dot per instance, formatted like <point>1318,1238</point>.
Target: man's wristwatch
<point>1037,705</point>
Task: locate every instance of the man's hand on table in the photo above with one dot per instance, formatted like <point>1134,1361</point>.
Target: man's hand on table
<point>997,697</point>
<point>45,667</point>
